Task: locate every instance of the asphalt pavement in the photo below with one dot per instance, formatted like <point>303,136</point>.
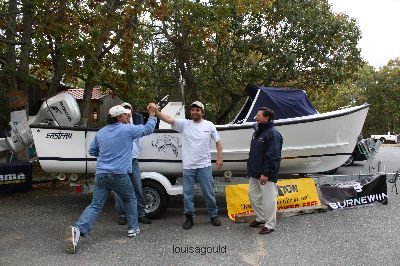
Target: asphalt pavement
<point>32,228</point>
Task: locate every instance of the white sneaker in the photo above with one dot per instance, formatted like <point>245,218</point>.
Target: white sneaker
<point>71,238</point>
<point>133,232</point>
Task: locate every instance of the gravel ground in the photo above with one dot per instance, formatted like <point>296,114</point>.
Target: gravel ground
<point>32,227</point>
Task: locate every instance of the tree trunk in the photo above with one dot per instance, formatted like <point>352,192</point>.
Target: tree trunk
<point>57,56</point>
<point>221,117</point>
<point>59,68</point>
<point>11,57</point>
<point>92,77</point>
<point>23,69</point>
<point>87,100</point>
<point>185,67</point>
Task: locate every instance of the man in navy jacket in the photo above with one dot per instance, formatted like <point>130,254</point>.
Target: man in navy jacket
<point>263,169</point>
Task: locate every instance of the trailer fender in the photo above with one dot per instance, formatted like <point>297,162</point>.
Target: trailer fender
<point>170,189</point>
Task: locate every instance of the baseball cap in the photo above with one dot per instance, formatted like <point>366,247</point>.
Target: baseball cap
<point>118,110</point>
<point>126,105</point>
<point>198,104</point>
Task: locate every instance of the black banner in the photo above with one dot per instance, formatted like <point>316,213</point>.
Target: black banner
<point>15,177</point>
<point>371,189</point>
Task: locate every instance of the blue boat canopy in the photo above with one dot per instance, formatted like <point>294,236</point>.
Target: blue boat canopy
<point>286,103</point>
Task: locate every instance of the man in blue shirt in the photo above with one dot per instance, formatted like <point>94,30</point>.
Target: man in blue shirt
<point>136,181</point>
<point>112,145</point>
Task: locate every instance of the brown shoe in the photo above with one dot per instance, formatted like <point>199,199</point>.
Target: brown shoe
<point>255,223</point>
<point>265,230</point>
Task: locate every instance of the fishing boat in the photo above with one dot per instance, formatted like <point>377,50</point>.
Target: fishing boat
<point>313,142</point>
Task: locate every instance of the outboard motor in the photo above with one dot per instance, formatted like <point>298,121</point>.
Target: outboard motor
<point>59,110</point>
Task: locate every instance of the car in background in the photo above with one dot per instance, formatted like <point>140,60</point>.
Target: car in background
<point>390,137</point>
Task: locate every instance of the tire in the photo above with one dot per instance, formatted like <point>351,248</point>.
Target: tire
<point>382,140</point>
<point>349,161</point>
<point>156,198</point>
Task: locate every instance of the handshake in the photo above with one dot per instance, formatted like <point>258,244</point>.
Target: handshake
<point>152,108</point>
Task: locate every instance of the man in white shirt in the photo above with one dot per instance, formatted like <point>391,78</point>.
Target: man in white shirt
<point>196,159</point>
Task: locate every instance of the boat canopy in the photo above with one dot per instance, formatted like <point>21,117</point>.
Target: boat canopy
<point>286,103</point>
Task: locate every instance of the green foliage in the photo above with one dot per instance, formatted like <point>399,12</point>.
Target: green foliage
<point>384,97</point>
<point>380,88</point>
<point>139,49</point>
<point>351,92</point>
<point>4,98</point>
<point>276,43</point>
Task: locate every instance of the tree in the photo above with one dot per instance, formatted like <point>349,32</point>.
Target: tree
<point>139,49</point>
<point>16,42</point>
<point>353,91</point>
<point>385,98</point>
<point>53,34</point>
<point>103,24</point>
<point>380,88</point>
<point>220,46</point>
<point>25,51</point>
<point>8,55</point>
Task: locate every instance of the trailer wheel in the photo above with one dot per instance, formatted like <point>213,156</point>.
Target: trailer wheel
<point>156,198</point>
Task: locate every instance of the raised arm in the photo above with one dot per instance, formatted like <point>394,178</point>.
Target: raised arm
<point>164,117</point>
<point>152,108</point>
<point>139,131</point>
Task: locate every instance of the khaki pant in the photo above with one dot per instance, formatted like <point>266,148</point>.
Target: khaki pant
<point>263,201</point>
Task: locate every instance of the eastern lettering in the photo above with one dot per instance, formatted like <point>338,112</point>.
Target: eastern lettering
<point>58,135</point>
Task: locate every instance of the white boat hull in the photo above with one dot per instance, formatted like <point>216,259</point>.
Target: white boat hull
<point>312,144</point>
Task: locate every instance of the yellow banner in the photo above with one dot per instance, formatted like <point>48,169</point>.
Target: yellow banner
<point>292,194</point>
<point>297,193</point>
<point>237,200</point>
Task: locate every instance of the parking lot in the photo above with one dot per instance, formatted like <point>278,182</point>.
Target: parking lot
<point>32,227</point>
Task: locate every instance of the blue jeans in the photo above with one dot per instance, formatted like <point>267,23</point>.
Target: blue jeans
<point>103,184</point>
<point>137,186</point>
<point>204,177</point>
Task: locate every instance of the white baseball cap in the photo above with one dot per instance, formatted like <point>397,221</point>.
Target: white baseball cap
<point>198,104</point>
<point>126,104</point>
<point>118,110</point>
